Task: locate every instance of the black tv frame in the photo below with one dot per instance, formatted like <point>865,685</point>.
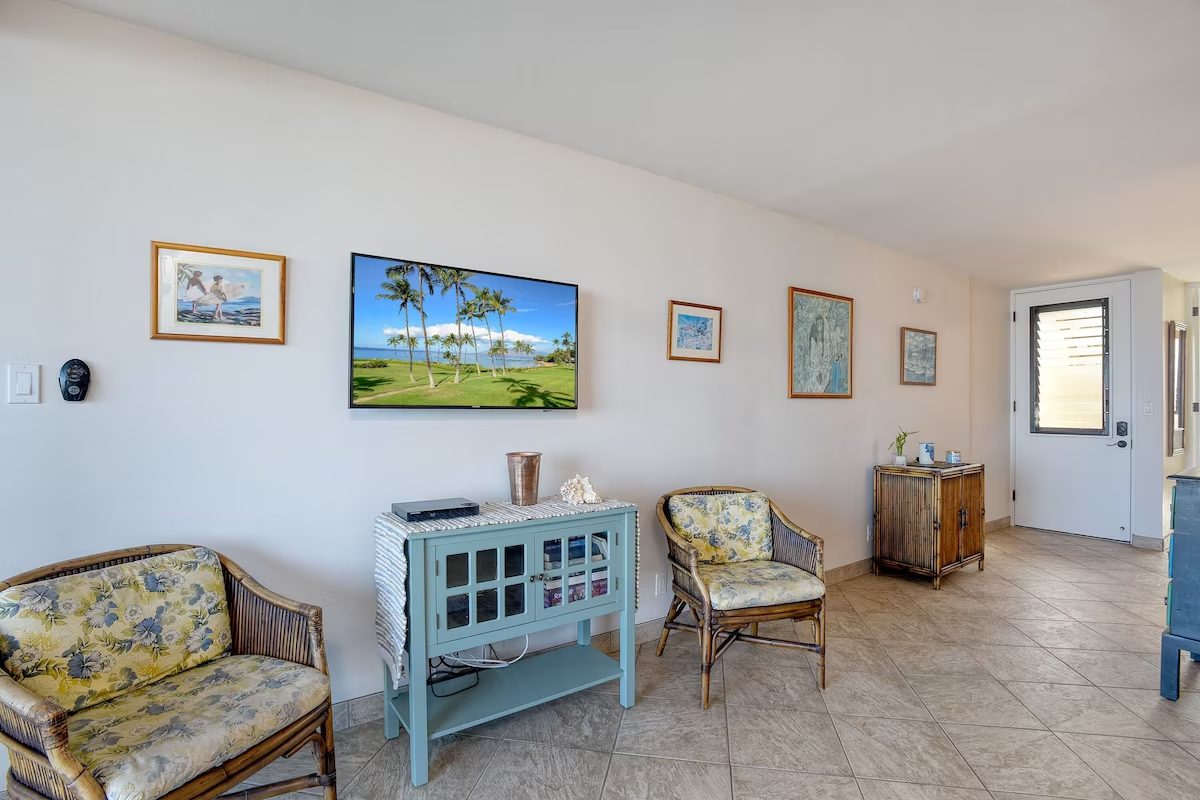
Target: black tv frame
<point>350,361</point>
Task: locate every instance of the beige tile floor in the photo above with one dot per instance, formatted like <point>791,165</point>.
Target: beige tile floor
<point>1036,678</point>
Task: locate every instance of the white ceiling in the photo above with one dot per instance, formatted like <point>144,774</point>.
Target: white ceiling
<point>1026,141</point>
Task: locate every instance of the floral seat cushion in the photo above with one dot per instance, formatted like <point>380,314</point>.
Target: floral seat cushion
<point>82,639</point>
<point>746,584</point>
<point>724,527</point>
<point>146,742</point>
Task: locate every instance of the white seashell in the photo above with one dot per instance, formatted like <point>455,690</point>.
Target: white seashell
<point>578,491</point>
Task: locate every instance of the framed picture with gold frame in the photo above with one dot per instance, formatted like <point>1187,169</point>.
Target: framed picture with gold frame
<point>216,295</point>
<point>694,331</point>
<point>820,344</point>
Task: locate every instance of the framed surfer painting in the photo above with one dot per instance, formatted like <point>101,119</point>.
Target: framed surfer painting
<point>821,347</point>
<point>211,294</point>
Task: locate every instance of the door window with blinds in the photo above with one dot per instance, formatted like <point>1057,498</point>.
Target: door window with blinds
<point>1069,368</point>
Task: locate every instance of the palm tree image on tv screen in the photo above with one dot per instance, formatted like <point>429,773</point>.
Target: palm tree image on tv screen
<point>429,335</point>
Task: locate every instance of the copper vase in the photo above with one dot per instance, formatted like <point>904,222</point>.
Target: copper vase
<point>523,477</point>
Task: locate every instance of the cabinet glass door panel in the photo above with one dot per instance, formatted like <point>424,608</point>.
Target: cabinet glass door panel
<point>482,585</point>
<point>458,611</point>
<point>485,565</point>
<point>514,561</point>
<point>577,569</point>
<point>457,573</point>
<point>599,582</point>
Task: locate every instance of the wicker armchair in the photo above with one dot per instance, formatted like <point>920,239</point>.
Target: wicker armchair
<point>35,728</point>
<point>719,629</point>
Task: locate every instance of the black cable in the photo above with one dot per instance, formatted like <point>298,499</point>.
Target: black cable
<point>456,691</point>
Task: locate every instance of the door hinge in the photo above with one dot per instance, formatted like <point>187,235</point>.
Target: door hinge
<point>1014,494</point>
<point>617,584</point>
<point>1014,406</point>
<point>437,568</point>
<point>1014,316</point>
<point>1195,406</point>
<point>438,617</point>
<point>1196,311</point>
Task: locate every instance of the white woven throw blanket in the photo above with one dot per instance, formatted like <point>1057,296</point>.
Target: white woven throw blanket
<point>391,565</point>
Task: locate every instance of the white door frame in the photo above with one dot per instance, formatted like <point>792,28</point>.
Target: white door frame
<point>1013,362</point>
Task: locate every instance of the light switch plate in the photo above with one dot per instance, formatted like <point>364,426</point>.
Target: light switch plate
<point>1148,409</point>
<point>24,383</point>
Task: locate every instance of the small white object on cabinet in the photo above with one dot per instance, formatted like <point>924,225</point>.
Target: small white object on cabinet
<point>578,491</point>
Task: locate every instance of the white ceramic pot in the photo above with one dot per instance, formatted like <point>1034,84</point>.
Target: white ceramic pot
<point>899,461</point>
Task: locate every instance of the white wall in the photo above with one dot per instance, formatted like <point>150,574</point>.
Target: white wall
<point>1157,299</point>
<point>115,136</point>
<point>991,410</point>
<point>1175,308</point>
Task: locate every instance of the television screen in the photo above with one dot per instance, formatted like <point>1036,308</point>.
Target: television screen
<point>426,335</point>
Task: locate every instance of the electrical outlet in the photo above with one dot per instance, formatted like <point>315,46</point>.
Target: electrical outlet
<point>658,584</point>
<point>869,532</point>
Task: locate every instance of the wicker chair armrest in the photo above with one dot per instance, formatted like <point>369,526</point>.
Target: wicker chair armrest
<point>36,722</point>
<point>688,579</point>
<point>34,729</point>
<point>266,623</point>
<point>684,560</point>
<point>796,546</point>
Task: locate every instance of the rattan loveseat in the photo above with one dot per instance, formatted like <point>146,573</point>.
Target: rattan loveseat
<point>247,684</point>
<point>781,577</point>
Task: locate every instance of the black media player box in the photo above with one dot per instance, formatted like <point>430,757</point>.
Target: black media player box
<point>424,510</point>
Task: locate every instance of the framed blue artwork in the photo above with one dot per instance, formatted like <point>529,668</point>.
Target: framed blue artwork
<point>918,357</point>
<point>821,347</point>
<point>693,332</point>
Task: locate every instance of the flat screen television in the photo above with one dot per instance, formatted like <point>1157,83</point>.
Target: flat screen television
<point>431,336</point>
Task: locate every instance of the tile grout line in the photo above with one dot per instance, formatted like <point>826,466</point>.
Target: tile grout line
<point>941,727</point>
<point>482,772</point>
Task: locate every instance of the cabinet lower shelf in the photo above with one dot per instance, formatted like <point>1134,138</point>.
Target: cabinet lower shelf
<point>531,681</point>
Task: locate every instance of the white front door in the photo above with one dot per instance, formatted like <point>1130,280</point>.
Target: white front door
<point>1072,385</point>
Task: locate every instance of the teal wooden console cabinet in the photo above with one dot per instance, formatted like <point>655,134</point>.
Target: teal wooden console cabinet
<point>1182,631</point>
<point>474,586</point>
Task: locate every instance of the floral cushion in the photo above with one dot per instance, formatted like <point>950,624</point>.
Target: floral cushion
<point>82,639</point>
<point>724,527</point>
<point>147,742</point>
<point>746,584</point>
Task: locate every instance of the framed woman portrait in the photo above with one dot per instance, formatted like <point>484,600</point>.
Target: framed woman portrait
<point>821,344</point>
<point>217,295</point>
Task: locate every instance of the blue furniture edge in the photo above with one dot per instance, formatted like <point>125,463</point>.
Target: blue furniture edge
<point>534,680</point>
<point>1182,630</point>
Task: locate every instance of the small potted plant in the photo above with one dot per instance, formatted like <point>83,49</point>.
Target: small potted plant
<point>898,458</point>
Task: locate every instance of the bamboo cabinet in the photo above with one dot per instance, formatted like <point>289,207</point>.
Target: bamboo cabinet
<point>928,519</point>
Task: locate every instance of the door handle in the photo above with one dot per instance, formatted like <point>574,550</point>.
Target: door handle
<point>536,578</point>
<point>1122,444</point>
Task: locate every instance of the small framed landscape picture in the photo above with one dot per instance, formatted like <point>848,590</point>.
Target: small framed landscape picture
<point>693,332</point>
<point>211,294</point>
<point>918,357</point>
